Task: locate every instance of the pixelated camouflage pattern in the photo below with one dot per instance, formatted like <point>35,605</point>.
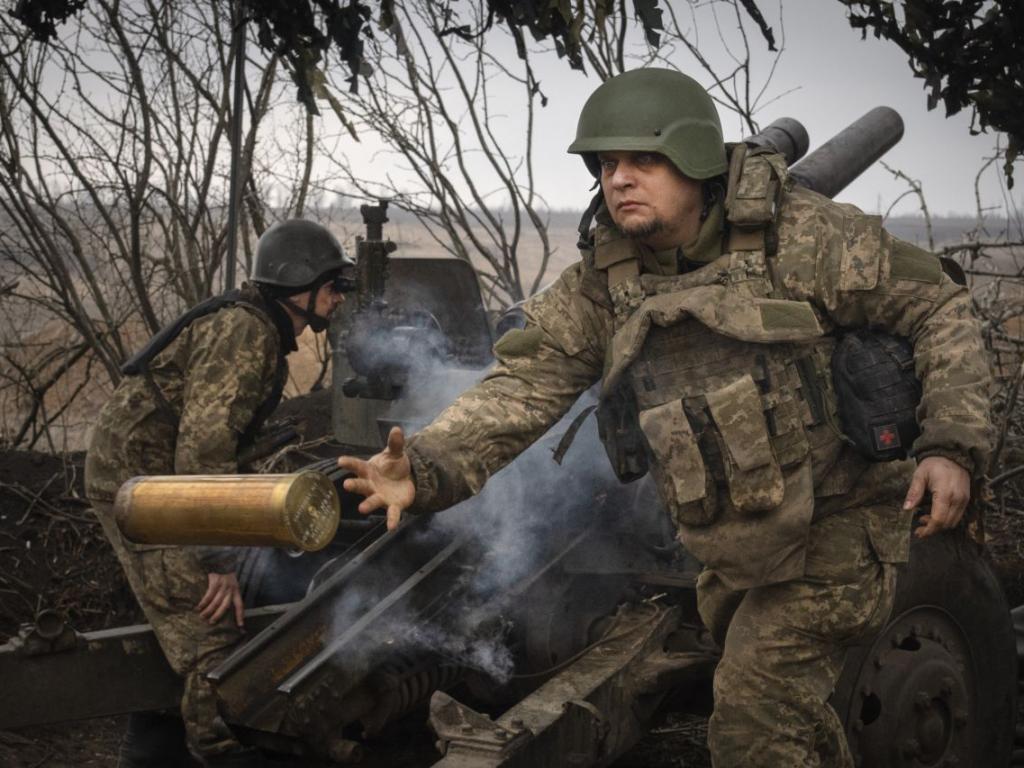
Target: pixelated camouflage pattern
<point>684,484</point>
<point>928,308</point>
<point>792,586</point>
<point>212,381</point>
<point>752,473</point>
<point>784,647</point>
<point>706,337</point>
<point>822,245</point>
<point>169,582</point>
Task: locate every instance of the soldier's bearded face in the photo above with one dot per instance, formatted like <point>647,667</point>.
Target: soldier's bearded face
<point>649,199</point>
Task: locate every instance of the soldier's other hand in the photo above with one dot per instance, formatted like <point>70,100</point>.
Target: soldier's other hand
<point>222,593</point>
<point>950,487</point>
<point>385,479</point>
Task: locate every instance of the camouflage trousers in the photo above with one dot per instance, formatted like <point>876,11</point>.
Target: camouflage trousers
<point>169,582</point>
<point>784,647</point>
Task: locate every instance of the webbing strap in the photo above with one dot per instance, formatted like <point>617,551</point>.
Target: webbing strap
<point>744,239</point>
<point>622,271</point>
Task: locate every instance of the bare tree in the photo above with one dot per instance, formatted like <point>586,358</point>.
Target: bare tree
<point>436,98</point>
<point>728,63</point>
<point>441,89</point>
<point>114,147</point>
<point>114,150</point>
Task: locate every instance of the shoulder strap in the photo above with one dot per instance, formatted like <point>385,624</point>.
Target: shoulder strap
<point>616,255</point>
<point>268,406</point>
<point>756,181</point>
<point>138,362</point>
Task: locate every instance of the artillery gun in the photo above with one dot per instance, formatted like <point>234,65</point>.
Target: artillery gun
<point>543,622</point>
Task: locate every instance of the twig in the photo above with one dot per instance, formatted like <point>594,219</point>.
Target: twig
<point>1011,401</point>
<point>32,498</point>
<point>272,462</point>
<point>1007,475</point>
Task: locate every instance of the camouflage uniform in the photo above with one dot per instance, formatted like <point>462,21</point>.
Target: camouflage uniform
<point>202,395</point>
<point>726,352</point>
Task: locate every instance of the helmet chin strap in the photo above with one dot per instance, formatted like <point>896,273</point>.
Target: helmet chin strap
<point>588,217</point>
<point>317,322</point>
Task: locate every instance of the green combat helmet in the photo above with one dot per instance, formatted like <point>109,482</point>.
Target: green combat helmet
<point>653,110</point>
<point>298,255</point>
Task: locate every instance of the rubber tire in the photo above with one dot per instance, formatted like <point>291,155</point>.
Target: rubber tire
<point>949,572</point>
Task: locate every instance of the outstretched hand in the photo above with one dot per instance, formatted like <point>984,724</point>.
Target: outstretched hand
<point>385,479</point>
<point>950,487</point>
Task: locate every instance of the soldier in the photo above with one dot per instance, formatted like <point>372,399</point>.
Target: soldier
<point>194,397</point>
<point>708,300</point>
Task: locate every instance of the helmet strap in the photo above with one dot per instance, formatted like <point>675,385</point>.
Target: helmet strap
<point>308,313</point>
<point>587,218</point>
<point>712,189</point>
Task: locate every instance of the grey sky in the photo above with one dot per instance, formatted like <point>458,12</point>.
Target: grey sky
<point>837,78</point>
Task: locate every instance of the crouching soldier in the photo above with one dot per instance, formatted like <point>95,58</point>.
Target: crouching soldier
<point>190,401</point>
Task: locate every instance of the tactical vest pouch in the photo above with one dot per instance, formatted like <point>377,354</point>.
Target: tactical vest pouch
<point>751,471</point>
<point>878,393</point>
<point>752,200</point>
<point>686,488</point>
<point>619,431</point>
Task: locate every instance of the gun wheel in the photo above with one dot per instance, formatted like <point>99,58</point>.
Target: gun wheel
<point>915,694</point>
<point>938,686</point>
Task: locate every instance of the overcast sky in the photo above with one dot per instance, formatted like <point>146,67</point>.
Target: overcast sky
<point>837,77</point>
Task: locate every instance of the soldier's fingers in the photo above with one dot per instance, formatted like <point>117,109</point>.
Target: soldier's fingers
<point>396,442</point>
<point>926,528</point>
<point>357,485</point>
<point>394,516</point>
<point>353,464</point>
<point>216,597</point>
<point>222,608</point>
<point>371,503</point>
<point>236,599</point>
<point>211,592</point>
<point>916,491</point>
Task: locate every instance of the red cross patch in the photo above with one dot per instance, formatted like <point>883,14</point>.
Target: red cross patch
<point>886,437</point>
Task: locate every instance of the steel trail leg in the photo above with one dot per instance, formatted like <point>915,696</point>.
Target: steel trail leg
<point>587,714</point>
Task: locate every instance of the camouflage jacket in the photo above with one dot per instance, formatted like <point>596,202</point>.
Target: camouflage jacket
<point>833,260</point>
<point>201,396</point>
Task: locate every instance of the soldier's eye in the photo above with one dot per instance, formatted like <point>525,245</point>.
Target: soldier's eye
<point>608,165</point>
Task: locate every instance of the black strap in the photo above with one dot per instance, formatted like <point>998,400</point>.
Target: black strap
<point>587,218</point>
<point>811,386</point>
<point>139,362</point>
<point>570,433</point>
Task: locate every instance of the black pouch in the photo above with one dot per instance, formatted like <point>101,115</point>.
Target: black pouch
<point>618,425</point>
<point>877,393</point>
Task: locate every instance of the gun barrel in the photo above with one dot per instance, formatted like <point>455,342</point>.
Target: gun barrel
<point>299,510</point>
<point>786,136</point>
<point>844,157</point>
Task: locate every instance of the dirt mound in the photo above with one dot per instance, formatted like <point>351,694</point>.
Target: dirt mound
<point>52,550</point>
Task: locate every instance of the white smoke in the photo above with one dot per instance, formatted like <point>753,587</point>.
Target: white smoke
<point>512,520</point>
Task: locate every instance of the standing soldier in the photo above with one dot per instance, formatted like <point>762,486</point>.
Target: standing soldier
<point>708,302</point>
<point>191,400</point>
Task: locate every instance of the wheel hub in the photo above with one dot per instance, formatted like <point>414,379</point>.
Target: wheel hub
<point>915,692</point>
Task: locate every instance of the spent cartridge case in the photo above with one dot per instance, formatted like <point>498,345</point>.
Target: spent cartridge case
<point>299,510</point>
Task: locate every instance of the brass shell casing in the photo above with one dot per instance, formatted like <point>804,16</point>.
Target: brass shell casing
<point>298,510</point>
